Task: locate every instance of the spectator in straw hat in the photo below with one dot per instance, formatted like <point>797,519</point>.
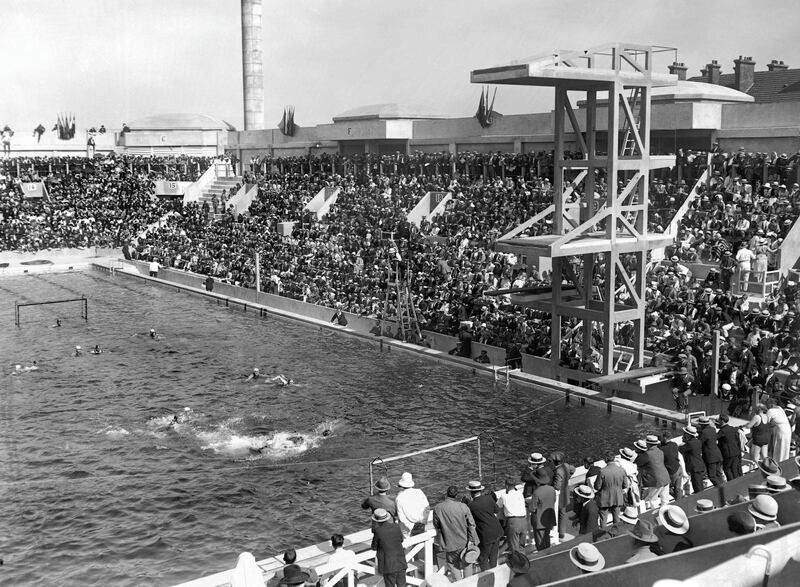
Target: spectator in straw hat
<point>588,514</point>
<point>484,510</point>
<point>412,507</point>
<point>776,484</point>
<point>381,498</point>
<point>387,542</point>
<point>675,525</point>
<point>692,451</point>
<point>628,518</point>
<point>587,558</point>
<point>703,506</point>
<point>625,460</point>
<point>455,528</point>
<point>764,509</point>
<point>644,538</point>
<point>653,475</point>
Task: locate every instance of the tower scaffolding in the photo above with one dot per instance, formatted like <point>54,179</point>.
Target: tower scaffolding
<point>601,228</point>
<point>398,281</point>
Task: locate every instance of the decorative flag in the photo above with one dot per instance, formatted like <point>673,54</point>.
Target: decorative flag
<point>65,126</point>
<point>286,124</point>
<point>486,113</point>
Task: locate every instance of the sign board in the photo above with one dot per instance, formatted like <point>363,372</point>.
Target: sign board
<point>171,188</point>
<point>33,189</point>
<point>436,199</point>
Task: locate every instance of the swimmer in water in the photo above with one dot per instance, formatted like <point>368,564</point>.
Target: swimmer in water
<point>153,333</point>
<point>281,380</point>
<point>78,351</point>
<point>254,375</point>
<point>96,350</point>
<point>57,324</point>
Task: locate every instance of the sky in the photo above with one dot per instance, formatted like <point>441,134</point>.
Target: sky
<point>110,61</point>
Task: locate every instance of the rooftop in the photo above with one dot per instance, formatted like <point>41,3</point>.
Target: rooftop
<point>180,122</point>
<point>384,111</point>
<point>781,85</point>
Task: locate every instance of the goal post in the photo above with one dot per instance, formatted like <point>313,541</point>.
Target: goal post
<point>83,301</point>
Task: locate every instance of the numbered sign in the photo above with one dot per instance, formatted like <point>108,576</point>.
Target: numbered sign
<point>33,189</point>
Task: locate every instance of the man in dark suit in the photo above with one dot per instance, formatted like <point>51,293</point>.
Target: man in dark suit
<point>611,483</point>
<point>387,541</point>
<point>712,457</point>
<point>381,499</point>
<point>692,451</point>
<point>484,510</point>
<point>561,478</point>
<point>729,447</point>
<point>543,510</point>
<point>673,465</point>
<point>588,514</point>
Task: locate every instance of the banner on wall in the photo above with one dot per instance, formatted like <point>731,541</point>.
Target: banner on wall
<point>171,188</point>
<point>34,189</point>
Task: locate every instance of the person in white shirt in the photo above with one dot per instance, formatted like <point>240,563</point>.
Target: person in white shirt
<point>154,268</point>
<point>743,257</point>
<point>516,514</point>
<point>341,557</point>
<point>412,507</point>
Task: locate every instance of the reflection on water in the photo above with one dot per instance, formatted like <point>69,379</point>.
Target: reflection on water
<point>156,462</point>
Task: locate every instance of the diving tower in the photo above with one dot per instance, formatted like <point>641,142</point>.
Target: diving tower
<point>599,241</point>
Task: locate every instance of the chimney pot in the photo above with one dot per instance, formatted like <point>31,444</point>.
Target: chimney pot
<point>744,73</point>
<point>712,72</point>
<point>678,69</point>
<point>776,65</point>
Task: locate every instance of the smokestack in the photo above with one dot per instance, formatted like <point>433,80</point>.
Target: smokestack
<point>252,66</point>
<point>678,69</point>
<point>712,72</point>
<point>776,65</point>
<point>744,70</point>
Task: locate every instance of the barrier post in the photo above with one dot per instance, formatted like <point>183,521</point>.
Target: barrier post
<point>258,272</point>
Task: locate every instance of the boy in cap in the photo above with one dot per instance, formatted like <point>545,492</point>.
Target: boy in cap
<point>645,538</point>
<point>381,499</point>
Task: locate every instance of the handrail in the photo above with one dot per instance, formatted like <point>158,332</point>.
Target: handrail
<point>672,228</point>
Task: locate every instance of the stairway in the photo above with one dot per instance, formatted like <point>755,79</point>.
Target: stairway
<point>219,186</point>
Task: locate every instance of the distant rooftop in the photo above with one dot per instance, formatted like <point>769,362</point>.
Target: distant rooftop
<point>180,122</point>
<point>384,111</point>
<point>778,85</point>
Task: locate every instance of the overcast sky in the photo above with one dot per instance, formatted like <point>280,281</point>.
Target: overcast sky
<point>111,61</point>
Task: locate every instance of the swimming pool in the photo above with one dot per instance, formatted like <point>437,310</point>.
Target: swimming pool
<point>100,489</point>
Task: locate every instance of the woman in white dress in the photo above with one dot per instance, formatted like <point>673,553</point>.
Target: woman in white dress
<point>781,432</point>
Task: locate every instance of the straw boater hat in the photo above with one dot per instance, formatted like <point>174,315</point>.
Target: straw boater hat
<point>673,519</point>
<point>776,483</point>
<point>382,484</point>
<point>640,445</point>
<point>381,515</point>
<point>704,421</point>
<point>627,453</point>
<point>584,491</point>
<point>536,458</point>
<point>652,440</point>
<point>629,515</point>
<point>704,505</point>
<point>475,486</point>
<point>585,556</point>
<point>764,508</point>
<point>406,482</point>
<point>691,430</point>
<point>643,531</point>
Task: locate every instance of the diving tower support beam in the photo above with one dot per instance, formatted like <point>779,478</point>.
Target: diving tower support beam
<point>610,245</point>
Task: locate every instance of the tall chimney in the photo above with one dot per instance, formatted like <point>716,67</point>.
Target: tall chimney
<point>252,66</point>
<point>776,65</point>
<point>712,72</point>
<point>678,69</point>
<point>744,70</point>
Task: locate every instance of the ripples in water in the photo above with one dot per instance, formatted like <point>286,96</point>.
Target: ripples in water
<point>111,480</point>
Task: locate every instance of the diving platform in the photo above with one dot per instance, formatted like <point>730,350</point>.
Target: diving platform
<point>599,239</point>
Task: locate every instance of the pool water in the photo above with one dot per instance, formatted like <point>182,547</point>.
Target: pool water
<point>155,462</point>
